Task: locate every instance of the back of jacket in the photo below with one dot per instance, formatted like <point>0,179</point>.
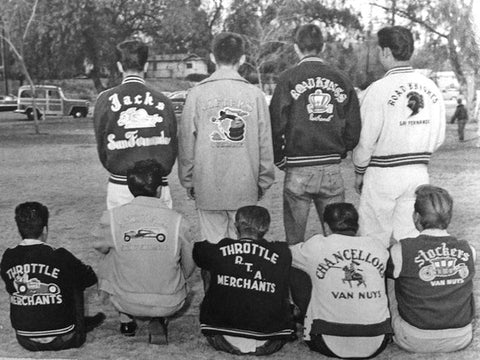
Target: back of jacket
<point>41,282</point>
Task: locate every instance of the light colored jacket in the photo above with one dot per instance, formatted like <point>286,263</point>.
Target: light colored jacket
<point>149,259</point>
<point>225,142</point>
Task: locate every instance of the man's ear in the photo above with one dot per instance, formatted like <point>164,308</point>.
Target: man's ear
<point>212,58</point>
<point>416,221</point>
<point>242,60</point>
<point>119,67</point>
<point>145,67</point>
<point>159,191</point>
<point>298,51</point>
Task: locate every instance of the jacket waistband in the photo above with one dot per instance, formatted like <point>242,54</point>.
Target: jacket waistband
<point>396,160</point>
<point>337,329</point>
<point>122,180</point>
<point>209,330</point>
<point>43,333</point>
<point>295,161</point>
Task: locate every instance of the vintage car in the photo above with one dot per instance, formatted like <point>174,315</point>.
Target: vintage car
<point>49,100</point>
<point>8,102</point>
<point>145,233</point>
<point>34,286</point>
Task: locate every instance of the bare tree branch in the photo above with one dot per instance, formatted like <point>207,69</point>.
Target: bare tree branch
<point>30,20</point>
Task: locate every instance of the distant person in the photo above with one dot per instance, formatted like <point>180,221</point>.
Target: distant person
<point>345,300</point>
<point>461,116</point>
<point>148,255</point>
<point>433,307</point>
<point>315,122</point>
<point>225,148</point>
<point>133,122</point>
<point>246,308</point>
<point>403,123</point>
<point>46,287</point>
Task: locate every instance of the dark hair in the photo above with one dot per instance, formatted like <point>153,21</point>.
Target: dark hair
<point>398,39</point>
<point>309,38</point>
<point>341,217</point>
<point>145,177</point>
<point>434,205</point>
<point>31,218</point>
<point>132,54</point>
<point>253,218</point>
<point>228,48</point>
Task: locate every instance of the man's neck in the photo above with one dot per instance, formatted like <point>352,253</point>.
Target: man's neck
<point>248,236</point>
<point>133,73</point>
<point>397,64</point>
<point>230,67</point>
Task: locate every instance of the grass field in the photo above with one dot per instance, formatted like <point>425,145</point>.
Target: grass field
<point>60,168</point>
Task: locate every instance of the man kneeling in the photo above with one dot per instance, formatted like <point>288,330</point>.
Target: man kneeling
<point>148,255</point>
<point>347,315</point>
<point>246,308</point>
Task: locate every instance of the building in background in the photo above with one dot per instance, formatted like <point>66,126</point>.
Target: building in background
<point>175,66</point>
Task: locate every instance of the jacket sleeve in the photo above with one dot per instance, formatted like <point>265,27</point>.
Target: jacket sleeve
<point>172,128</point>
<point>266,173</point>
<point>83,275</point>
<point>203,254</point>
<point>186,259</point>
<point>371,123</point>
<point>186,144</point>
<point>100,119</point>
<point>353,122</point>
<point>279,111</point>
<point>303,252</point>
<point>442,124</point>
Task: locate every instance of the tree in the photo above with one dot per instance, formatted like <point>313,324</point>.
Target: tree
<point>448,24</point>
<point>16,21</point>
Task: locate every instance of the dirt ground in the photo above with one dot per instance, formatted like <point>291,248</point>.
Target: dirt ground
<point>60,168</point>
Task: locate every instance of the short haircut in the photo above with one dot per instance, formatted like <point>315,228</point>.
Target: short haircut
<point>309,38</point>
<point>253,218</point>
<point>434,205</point>
<point>132,54</point>
<point>31,218</point>
<point>145,177</point>
<point>341,217</point>
<point>398,39</point>
<point>228,48</point>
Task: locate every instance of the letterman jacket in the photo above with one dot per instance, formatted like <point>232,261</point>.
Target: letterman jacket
<point>403,121</point>
<point>225,142</point>
<point>248,293</point>
<point>347,274</point>
<point>133,122</point>
<point>149,259</point>
<point>315,115</point>
<point>434,280</point>
<point>41,282</point>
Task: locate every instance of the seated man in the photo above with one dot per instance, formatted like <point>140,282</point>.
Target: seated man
<point>433,306</point>
<point>347,311</point>
<point>246,309</point>
<point>148,255</point>
<point>46,287</point>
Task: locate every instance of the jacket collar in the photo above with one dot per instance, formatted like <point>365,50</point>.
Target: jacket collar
<point>311,58</point>
<point>224,74</point>
<point>435,232</point>
<point>133,79</point>
<point>28,242</point>
<point>399,70</point>
<point>148,201</point>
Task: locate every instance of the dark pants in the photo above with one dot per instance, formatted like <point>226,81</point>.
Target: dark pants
<point>461,128</point>
<point>74,339</point>
<point>218,342</point>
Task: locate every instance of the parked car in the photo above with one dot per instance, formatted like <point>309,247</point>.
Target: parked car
<point>49,100</point>
<point>178,100</point>
<point>8,102</point>
<point>155,233</point>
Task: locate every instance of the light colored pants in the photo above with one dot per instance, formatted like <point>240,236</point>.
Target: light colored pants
<point>322,184</point>
<point>120,194</point>
<point>387,199</point>
<point>417,340</point>
<point>216,225</point>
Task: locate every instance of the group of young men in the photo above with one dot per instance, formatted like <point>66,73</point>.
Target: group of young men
<point>257,290</point>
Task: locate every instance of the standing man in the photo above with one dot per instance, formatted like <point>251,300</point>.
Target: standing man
<point>461,115</point>
<point>133,122</point>
<point>315,121</point>
<point>403,123</point>
<point>225,152</point>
